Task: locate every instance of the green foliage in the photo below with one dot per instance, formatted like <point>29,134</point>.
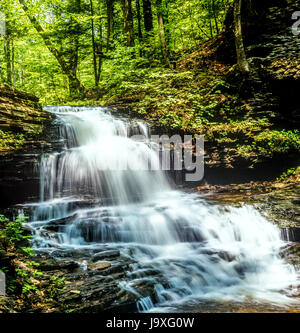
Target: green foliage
<point>183,100</point>
<point>56,286</point>
<point>273,141</point>
<point>269,143</point>
<point>28,251</point>
<point>68,26</point>
<point>12,237</point>
<point>11,140</point>
<point>288,173</point>
<point>12,233</point>
<point>23,277</point>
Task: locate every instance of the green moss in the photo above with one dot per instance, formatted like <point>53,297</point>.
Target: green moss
<point>11,140</point>
<point>289,172</point>
<point>273,142</point>
<point>182,100</point>
<point>198,102</point>
<point>22,273</point>
<point>12,233</point>
<point>14,140</point>
<point>269,143</point>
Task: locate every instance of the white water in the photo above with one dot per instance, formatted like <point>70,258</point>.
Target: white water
<point>190,250</point>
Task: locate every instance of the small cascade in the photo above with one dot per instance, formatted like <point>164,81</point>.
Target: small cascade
<point>101,160</point>
<point>186,248</point>
<point>145,304</point>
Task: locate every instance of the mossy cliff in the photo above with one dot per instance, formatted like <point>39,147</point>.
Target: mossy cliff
<point>21,118</point>
<point>23,136</point>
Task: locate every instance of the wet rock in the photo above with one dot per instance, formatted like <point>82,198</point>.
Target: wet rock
<point>144,273</point>
<point>189,234</point>
<point>96,295</point>
<point>145,288</point>
<point>56,225</point>
<point>117,269</point>
<point>53,265</point>
<point>291,234</point>
<point>76,254</point>
<point>99,232</point>
<point>106,255</point>
<point>99,266</point>
<point>291,254</point>
<point>226,256</point>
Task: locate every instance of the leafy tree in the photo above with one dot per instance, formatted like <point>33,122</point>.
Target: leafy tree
<point>239,44</point>
<point>67,28</point>
<point>60,48</point>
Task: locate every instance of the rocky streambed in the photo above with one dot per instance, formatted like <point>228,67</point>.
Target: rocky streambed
<point>95,279</point>
<point>167,249</point>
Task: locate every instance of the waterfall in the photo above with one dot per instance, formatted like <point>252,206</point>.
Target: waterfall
<point>188,249</point>
<point>95,162</point>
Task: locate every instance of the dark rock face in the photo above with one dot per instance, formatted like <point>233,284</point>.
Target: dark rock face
<point>280,63</point>
<point>106,254</point>
<point>273,54</point>
<point>92,285</point>
<point>21,113</point>
<point>19,170</point>
<point>271,90</point>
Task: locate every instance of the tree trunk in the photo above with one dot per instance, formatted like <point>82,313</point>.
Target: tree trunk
<point>139,18</point>
<point>99,50</point>
<point>70,70</point>
<point>21,77</point>
<point>110,22</point>
<point>162,34</point>
<point>215,16</point>
<point>94,47</point>
<point>148,17</point>
<point>239,44</point>
<point>128,21</point>
<point>13,63</point>
<point>7,53</point>
<point>74,52</point>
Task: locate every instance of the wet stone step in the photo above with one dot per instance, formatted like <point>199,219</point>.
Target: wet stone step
<point>144,273</point>
<point>99,266</point>
<point>53,265</point>
<point>108,269</point>
<point>106,255</point>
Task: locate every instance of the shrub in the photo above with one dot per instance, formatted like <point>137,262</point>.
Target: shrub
<point>282,142</point>
<point>13,234</point>
<point>9,139</point>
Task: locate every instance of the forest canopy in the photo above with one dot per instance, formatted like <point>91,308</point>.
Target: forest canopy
<point>57,49</point>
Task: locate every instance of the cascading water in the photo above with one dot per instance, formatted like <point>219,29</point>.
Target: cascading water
<point>188,249</point>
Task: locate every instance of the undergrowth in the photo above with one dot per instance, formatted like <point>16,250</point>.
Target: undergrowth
<point>24,281</point>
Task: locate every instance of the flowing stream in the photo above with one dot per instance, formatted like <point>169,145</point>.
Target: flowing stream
<point>190,250</point>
